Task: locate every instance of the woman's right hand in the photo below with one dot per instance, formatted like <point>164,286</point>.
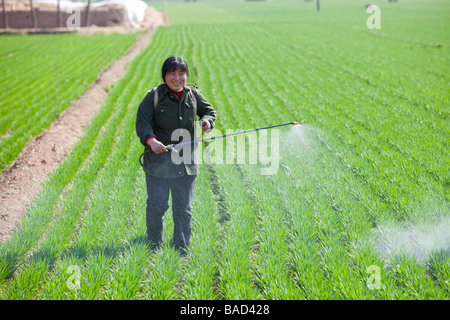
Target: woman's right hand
<point>156,146</point>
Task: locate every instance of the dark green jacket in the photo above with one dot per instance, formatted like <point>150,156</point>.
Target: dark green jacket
<point>171,114</point>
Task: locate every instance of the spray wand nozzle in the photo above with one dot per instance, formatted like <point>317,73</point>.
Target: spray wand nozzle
<point>171,147</point>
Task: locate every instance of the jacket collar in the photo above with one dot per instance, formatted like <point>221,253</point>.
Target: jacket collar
<point>166,89</point>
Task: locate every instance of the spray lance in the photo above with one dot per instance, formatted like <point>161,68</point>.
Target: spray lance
<point>171,147</point>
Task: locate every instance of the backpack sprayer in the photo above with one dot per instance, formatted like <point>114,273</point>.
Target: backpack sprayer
<point>171,147</point>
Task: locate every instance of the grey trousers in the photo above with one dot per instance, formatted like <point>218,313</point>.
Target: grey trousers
<point>182,191</point>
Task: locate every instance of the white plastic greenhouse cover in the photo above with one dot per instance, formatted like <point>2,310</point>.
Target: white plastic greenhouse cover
<point>135,8</point>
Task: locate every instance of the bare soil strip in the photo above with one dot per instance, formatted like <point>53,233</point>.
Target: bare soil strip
<point>21,182</point>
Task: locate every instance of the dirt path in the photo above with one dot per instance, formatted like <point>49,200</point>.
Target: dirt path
<point>21,182</point>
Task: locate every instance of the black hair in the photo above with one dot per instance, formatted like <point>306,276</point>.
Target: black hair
<point>174,63</point>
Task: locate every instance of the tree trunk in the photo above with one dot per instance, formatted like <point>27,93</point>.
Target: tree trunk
<point>5,18</point>
<point>87,12</point>
<point>33,14</point>
<point>59,13</point>
<point>318,5</point>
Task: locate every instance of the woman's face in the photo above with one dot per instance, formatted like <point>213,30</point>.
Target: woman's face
<point>176,80</point>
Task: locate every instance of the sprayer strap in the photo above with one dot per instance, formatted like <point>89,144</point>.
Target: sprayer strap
<point>155,97</point>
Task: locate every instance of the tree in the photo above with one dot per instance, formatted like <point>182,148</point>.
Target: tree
<point>59,13</point>
<point>87,12</point>
<point>5,18</point>
<point>33,14</point>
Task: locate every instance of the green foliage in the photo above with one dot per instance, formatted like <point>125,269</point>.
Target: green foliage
<point>42,75</point>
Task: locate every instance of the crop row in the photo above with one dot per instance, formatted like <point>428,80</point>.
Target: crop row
<point>41,81</point>
<point>323,210</point>
<point>232,112</point>
<point>399,156</point>
<point>40,215</point>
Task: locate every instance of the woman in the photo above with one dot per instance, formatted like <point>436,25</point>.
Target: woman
<point>175,110</point>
